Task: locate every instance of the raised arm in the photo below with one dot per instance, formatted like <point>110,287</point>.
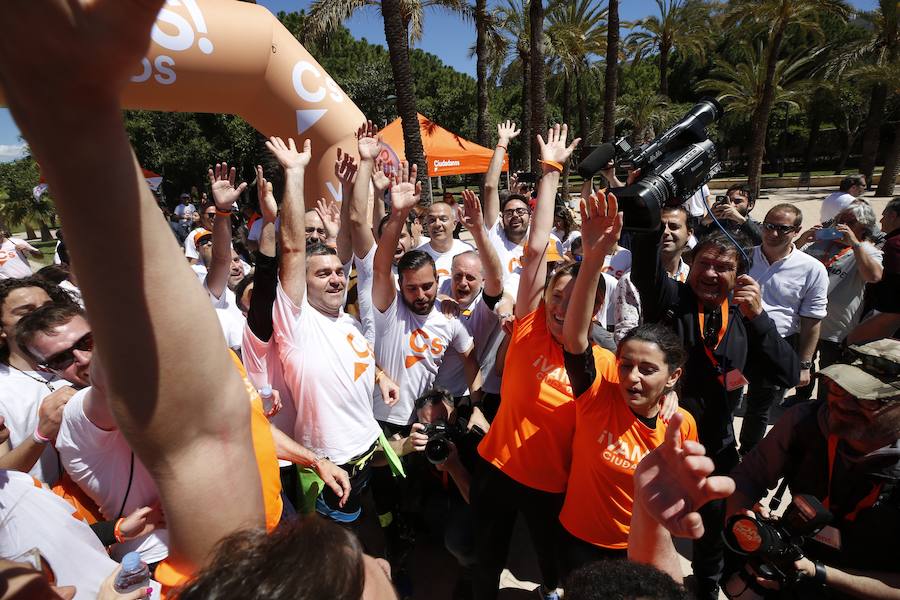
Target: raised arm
<point>292,267</point>
<point>225,194</point>
<point>601,224</point>
<point>265,277</point>
<point>404,195</point>
<point>554,153</point>
<point>360,227</point>
<point>269,208</point>
<point>472,219</point>
<point>187,420</point>
<point>345,171</point>
<point>506,132</point>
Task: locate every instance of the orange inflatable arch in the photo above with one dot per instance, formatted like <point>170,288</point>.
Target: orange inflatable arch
<point>222,56</point>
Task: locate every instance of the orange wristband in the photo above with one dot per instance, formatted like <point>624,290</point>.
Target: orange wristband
<point>117,531</point>
<point>552,163</point>
<point>223,213</point>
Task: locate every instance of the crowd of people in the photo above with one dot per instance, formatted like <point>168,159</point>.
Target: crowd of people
<point>242,389</point>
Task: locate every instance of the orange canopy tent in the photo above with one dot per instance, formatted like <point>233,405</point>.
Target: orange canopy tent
<point>446,152</point>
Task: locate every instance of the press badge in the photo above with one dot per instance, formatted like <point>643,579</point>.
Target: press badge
<point>733,380</point>
<point>830,536</point>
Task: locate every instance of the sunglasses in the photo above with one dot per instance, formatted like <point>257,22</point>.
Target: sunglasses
<point>62,360</point>
<point>779,228</point>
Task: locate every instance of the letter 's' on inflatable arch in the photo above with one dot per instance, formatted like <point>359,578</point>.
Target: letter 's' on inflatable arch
<point>223,56</point>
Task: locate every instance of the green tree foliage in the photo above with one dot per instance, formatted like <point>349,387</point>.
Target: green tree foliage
<point>18,207</point>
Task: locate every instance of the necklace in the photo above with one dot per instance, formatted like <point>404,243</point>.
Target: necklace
<point>38,379</point>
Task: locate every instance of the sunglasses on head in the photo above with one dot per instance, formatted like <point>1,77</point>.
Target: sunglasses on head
<point>62,360</point>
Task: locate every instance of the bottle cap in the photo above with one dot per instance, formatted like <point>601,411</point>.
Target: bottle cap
<point>265,391</point>
<point>131,562</point>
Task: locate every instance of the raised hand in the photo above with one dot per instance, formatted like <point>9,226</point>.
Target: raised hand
<point>267,204</point>
<point>142,521</point>
<point>672,483</point>
<point>345,168</point>
<point>471,215</point>
<point>380,178</point>
<point>601,224</point>
<point>367,141</point>
<point>507,131</point>
<point>555,149</point>
<point>287,155</point>
<point>330,213</point>
<point>405,190</point>
<point>222,181</point>
<point>748,296</point>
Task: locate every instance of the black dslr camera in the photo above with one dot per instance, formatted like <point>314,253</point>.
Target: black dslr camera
<point>441,434</point>
<point>772,545</point>
<point>673,166</point>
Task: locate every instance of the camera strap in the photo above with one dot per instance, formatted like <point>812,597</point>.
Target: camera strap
<point>866,502</point>
<point>830,261</point>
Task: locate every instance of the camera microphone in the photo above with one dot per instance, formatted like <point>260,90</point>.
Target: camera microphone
<point>596,160</point>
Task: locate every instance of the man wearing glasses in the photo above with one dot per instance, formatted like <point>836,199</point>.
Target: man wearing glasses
<point>795,295</point>
<point>845,451</point>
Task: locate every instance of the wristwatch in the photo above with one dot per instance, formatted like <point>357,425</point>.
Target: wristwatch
<point>805,365</point>
<point>820,575</point>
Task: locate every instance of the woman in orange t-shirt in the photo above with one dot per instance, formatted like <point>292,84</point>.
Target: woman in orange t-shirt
<point>617,418</point>
<point>526,453</point>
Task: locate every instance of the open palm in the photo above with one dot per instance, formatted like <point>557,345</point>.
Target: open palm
<point>287,154</point>
<point>555,149</point>
<point>222,181</point>
<point>601,224</point>
<point>405,191</point>
<point>367,141</point>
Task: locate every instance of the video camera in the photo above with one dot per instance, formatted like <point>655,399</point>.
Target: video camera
<point>673,166</point>
<point>772,545</point>
<point>441,434</point>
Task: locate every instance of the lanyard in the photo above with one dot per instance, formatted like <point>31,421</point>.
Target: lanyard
<point>836,257</point>
<point>721,335</point>
<point>866,502</point>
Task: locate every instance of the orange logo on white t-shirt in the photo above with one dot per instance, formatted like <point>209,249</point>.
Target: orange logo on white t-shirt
<point>515,263</point>
<point>420,343</point>
<point>359,367</point>
<point>7,255</point>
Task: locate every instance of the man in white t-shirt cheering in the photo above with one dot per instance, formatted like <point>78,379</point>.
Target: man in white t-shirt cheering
<point>441,221</point>
<point>327,362</point>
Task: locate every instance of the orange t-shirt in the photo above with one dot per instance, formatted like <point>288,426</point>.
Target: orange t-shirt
<point>609,443</point>
<point>530,439</point>
<point>267,462</point>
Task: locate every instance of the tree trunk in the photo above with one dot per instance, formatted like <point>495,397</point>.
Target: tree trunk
<point>481,83</point>
<point>584,125</point>
<point>538,93</point>
<point>611,83</point>
<point>29,230</point>
<point>526,136</point>
<point>664,70</point>
<point>814,126</point>
<point>891,167</point>
<point>761,116</point>
<point>46,236</point>
<point>872,132</point>
<point>396,34</point>
<point>845,153</point>
<point>566,113</point>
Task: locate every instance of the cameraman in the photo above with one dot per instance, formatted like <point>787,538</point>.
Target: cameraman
<point>845,451</point>
<point>447,437</point>
<point>733,212</point>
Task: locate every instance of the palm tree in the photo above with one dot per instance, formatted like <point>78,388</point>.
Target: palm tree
<point>514,35</point>
<point>536,60</point>
<point>879,49</point>
<point>481,65</point>
<point>612,71</point>
<point>774,17</point>
<point>678,28</point>
<point>892,158</point>
<point>403,22</point>
<point>643,115</point>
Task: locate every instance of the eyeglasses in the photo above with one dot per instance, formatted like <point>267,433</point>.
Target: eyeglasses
<point>517,212</point>
<point>210,215</point>
<point>62,360</point>
<point>779,228</point>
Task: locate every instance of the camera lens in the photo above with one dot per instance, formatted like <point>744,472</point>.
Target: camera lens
<point>437,450</point>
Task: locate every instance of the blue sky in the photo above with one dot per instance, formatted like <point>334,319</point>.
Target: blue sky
<point>446,35</point>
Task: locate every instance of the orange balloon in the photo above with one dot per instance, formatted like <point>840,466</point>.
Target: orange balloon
<point>236,57</point>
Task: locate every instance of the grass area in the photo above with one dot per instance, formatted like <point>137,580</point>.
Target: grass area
<point>48,249</point>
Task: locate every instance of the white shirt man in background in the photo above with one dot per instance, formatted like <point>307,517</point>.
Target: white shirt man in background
<point>851,188</point>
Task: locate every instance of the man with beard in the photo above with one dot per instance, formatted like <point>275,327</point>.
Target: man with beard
<point>845,451</point>
<point>734,214</point>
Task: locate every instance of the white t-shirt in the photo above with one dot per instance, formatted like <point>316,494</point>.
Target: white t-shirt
<point>33,517</point>
<point>410,349</point>
<point>566,243</point>
<point>483,325</point>
<point>365,273</point>
<point>190,248</point>
<point>263,367</point>
<point>618,264</point>
<point>184,211</point>
<point>626,303</point>
<point>443,261</point>
<point>13,262</point>
<point>256,229</point>
<point>510,254</point>
<point>696,204</point>
<point>833,204</point>
<point>99,462</point>
<point>73,291</point>
<point>230,316</point>
<point>793,287</point>
<point>330,370</point>
<point>20,400</point>
<point>605,315</point>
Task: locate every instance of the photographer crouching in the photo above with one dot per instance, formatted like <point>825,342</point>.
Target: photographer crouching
<point>844,453</point>
<point>447,438</point>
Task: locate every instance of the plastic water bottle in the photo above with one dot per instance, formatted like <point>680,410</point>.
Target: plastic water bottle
<point>135,574</point>
<point>265,392</point>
